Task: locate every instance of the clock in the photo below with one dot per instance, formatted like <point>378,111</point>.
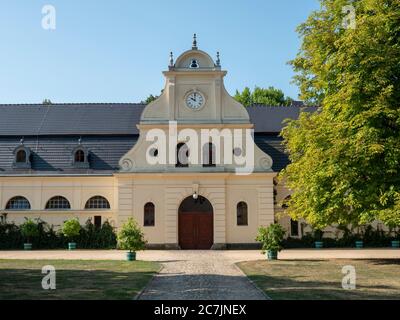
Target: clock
<point>194,100</point>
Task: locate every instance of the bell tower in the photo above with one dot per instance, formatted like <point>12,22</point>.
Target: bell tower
<point>194,93</point>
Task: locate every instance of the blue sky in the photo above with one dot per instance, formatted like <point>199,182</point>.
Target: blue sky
<point>114,51</point>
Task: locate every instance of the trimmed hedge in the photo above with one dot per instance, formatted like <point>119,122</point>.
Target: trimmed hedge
<point>373,238</point>
<point>89,237</point>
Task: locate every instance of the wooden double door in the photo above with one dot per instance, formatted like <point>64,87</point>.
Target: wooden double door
<point>196,230</point>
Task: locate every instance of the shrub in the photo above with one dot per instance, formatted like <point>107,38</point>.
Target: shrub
<point>29,230</point>
<point>97,238</point>
<point>271,237</point>
<point>131,237</point>
<point>10,236</point>
<point>71,229</point>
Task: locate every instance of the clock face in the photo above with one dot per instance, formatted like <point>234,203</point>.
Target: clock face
<point>195,100</point>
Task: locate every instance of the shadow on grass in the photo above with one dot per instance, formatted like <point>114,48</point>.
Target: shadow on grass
<point>312,280</point>
<point>282,288</point>
<point>72,284</point>
<point>381,262</point>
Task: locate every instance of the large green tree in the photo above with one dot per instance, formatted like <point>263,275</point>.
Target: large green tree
<point>266,96</point>
<point>345,159</point>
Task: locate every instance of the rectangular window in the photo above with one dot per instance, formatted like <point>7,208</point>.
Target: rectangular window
<point>294,228</point>
<point>97,221</point>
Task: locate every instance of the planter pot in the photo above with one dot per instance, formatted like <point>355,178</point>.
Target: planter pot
<point>396,244</point>
<point>131,256</point>
<point>319,244</point>
<point>27,246</point>
<point>71,245</point>
<point>359,244</point>
<point>272,255</point>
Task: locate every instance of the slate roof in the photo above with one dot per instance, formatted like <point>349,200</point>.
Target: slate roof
<point>53,154</point>
<point>67,119</point>
<point>108,118</point>
<point>108,131</point>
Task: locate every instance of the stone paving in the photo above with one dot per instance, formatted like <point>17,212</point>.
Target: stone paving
<point>201,275</point>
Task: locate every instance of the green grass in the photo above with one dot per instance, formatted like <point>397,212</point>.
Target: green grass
<point>322,280</point>
<point>75,279</point>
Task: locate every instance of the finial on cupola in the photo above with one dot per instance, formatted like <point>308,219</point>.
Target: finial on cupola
<point>171,59</point>
<point>218,62</point>
<point>194,45</point>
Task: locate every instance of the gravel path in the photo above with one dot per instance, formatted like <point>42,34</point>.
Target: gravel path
<point>201,275</point>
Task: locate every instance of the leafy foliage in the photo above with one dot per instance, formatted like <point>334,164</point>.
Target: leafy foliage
<point>89,237</point>
<point>345,159</point>
<point>131,237</point>
<point>370,236</point>
<point>71,228</point>
<point>271,237</point>
<point>269,97</point>
<point>97,238</point>
<point>150,98</point>
<point>29,229</point>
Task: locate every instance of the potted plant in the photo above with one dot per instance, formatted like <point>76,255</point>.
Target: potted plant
<point>396,242</point>
<point>271,239</point>
<point>131,237</point>
<point>29,230</point>
<point>359,243</point>
<point>318,235</point>
<point>71,229</point>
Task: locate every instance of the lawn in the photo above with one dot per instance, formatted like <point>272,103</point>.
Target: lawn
<point>316,280</point>
<point>75,279</point>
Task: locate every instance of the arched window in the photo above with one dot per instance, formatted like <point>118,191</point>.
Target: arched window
<point>97,202</point>
<point>182,155</point>
<point>18,203</point>
<point>21,156</point>
<point>149,215</point>
<point>58,203</point>
<point>79,156</point>
<point>209,155</point>
<point>242,214</point>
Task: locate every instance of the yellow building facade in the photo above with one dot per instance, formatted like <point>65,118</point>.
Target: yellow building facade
<point>215,196</point>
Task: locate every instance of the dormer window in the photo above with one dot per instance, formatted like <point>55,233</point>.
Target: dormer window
<point>22,157</point>
<point>194,64</point>
<point>80,157</point>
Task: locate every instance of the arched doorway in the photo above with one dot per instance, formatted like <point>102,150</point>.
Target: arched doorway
<point>196,226</point>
